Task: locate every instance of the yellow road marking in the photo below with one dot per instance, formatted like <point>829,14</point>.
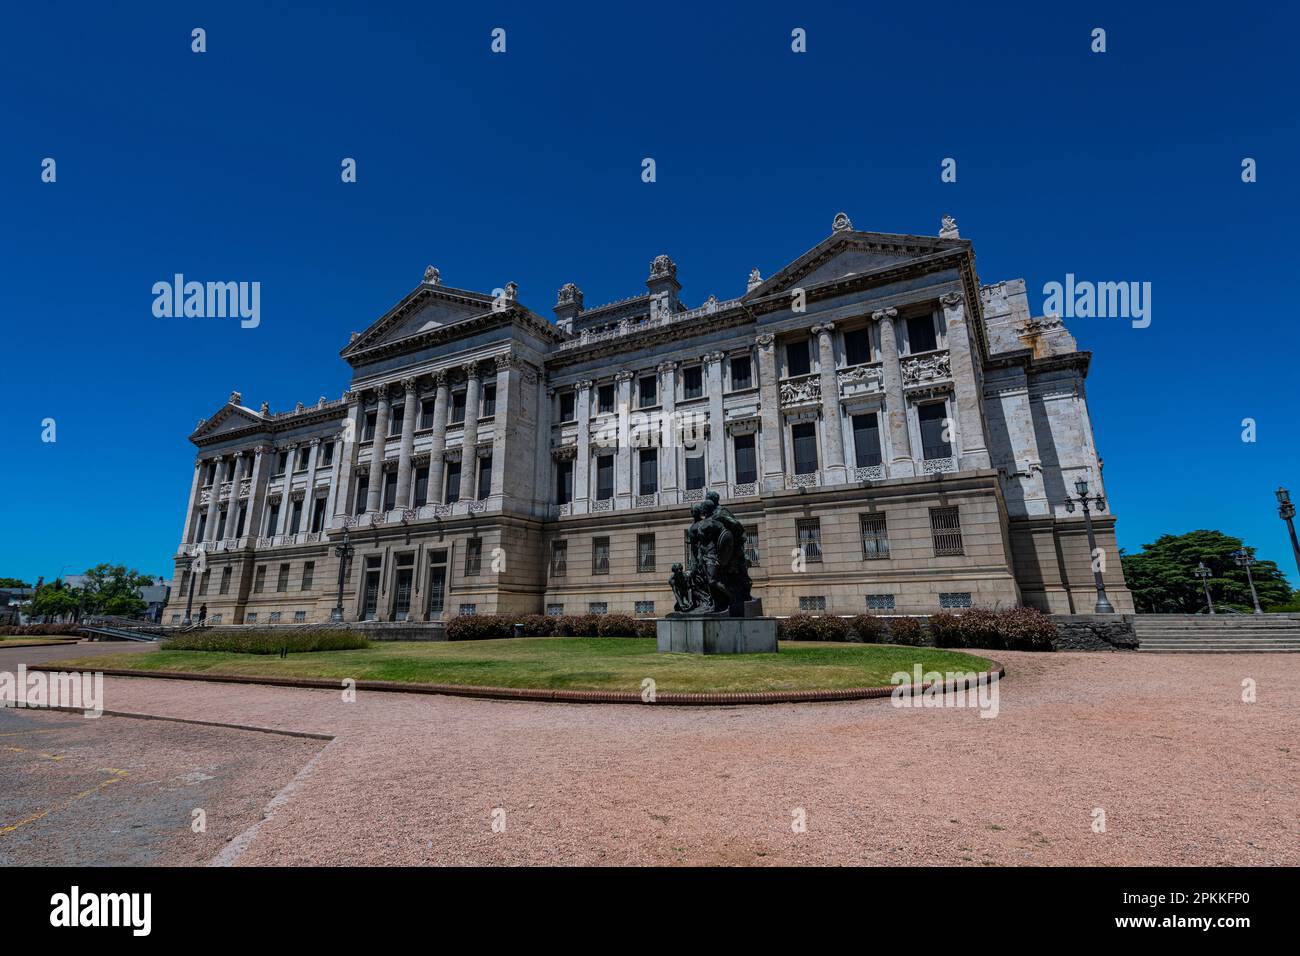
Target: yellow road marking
<point>23,733</point>
<point>118,776</point>
<point>39,753</point>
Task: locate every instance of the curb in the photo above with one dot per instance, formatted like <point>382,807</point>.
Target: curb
<point>997,671</point>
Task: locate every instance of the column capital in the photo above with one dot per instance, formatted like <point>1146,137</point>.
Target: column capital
<point>410,385</point>
<point>507,361</point>
<point>826,328</point>
<point>881,314</point>
<point>381,392</point>
<point>623,375</point>
<point>766,341</point>
<point>440,377</point>
<point>471,370</point>
<point>667,368</point>
<point>713,358</point>
<point>950,300</point>
<point>315,442</point>
<point>583,386</point>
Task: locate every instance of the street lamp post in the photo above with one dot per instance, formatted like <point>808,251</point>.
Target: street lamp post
<point>1246,560</point>
<point>1204,573</point>
<point>1286,511</point>
<point>1103,605</point>
<point>344,552</point>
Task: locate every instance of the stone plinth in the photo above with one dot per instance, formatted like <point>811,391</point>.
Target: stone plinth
<point>717,635</point>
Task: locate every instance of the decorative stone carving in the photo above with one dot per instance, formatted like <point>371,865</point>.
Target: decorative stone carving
<point>623,375</point>
<point>235,399</point>
<point>950,300</point>
<point>881,314</point>
<point>861,374</point>
<point>511,292</point>
<point>266,409</point>
<point>716,579</point>
<point>432,276</point>
<point>949,229</point>
<point>920,369</point>
<point>826,328</point>
<point>765,341</point>
<point>801,391</point>
<point>569,294</point>
<point>713,358</point>
<point>663,266</point>
<point>755,280</point>
<point>841,223</point>
<point>410,385</point>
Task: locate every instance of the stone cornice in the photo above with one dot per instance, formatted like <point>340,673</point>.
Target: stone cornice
<point>360,354</point>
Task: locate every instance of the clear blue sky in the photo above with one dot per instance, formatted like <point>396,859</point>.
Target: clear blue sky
<point>526,166</point>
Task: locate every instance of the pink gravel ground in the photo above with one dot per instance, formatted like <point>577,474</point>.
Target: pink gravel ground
<point>1185,772</point>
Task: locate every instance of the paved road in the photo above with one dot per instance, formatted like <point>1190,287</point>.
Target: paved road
<point>1184,771</point>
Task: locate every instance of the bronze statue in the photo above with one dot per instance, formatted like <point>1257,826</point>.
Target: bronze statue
<point>715,580</point>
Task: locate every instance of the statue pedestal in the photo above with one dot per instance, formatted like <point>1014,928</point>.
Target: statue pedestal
<point>716,635</point>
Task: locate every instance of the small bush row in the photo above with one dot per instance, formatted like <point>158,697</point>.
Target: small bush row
<point>268,642</point>
<point>40,630</point>
<point>489,627</point>
<point>1015,629</point>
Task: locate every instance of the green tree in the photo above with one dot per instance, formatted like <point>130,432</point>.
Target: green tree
<point>56,600</point>
<point>1161,580</point>
<point>113,589</point>
<point>13,583</point>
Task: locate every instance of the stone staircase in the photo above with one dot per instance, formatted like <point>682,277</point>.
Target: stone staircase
<point>1219,634</point>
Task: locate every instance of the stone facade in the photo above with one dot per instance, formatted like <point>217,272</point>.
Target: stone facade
<point>898,438</point>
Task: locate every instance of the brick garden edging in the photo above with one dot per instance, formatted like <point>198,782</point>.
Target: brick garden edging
<point>538,694</point>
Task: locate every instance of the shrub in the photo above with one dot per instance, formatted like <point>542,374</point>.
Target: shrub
<point>40,630</point>
<point>1027,629</point>
<point>906,630</point>
<point>867,629</point>
<point>646,627</point>
<point>480,627</point>
<point>616,625</point>
<point>491,627</point>
<point>812,627</point>
<point>1016,628</point>
<point>268,642</point>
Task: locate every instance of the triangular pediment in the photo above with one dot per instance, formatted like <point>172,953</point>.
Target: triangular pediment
<point>850,253</point>
<point>429,307</point>
<point>230,418</point>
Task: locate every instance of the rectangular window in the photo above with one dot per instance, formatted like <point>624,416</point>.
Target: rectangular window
<point>605,398</point>
<point>215,619</point>
<point>299,617</point>
<point>281,463</point>
<point>308,572</point>
<point>390,491</point>
<point>421,485</point>
<point>295,517</point>
<point>604,477</point>
<point>259,579</point>
<point>920,334</point>
<point>485,478</point>
<point>225,580</point>
<point>458,407</point>
<point>751,547</point>
<point>426,412</point>
<point>473,557</point>
<point>468,610</point>
<point>368,431</point>
<point>880,602</point>
<point>395,420</point>
<point>555,610</point>
<point>327,454</point>
<point>813,603</point>
<point>933,420</point>
<point>563,482</point>
<point>875,536</point>
<point>746,459</point>
<point>600,555</point>
<point>282,582</point>
<point>250,617</point>
<point>796,359</point>
<point>645,552</point>
<point>598,607</point>
<point>804,438</point>
<point>568,406</point>
<point>645,607</point>
<point>453,482</point>
<point>742,373</point>
<point>866,440</point>
<point>176,618</point>
<point>810,538</point>
<point>647,391</point>
<point>559,559</point>
<point>274,618</point>
<point>363,491</point>
<point>693,381</point>
<point>203,583</point>
<point>695,472</point>
<point>954,599</point>
<point>648,482</point>
<point>857,347</point>
<point>945,530</point>
<point>489,406</point>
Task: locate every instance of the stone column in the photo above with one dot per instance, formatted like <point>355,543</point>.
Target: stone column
<point>966,385</point>
<point>286,491</point>
<point>191,510</point>
<point>716,444</point>
<point>623,460</point>
<point>257,491</point>
<point>232,506</point>
<point>582,465</point>
<point>669,435</point>
<point>832,417</point>
<point>309,499</point>
<point>210,532</point>
<point>342,494</point>
<point>507,372</point>
<point>469,442</point>
<point>770,405</point>
<point>409,413</point>
<point>437,463</point>
<point>378,448</point>
<point>901,464</point>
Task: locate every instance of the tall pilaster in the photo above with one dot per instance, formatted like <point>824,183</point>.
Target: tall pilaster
<point>309,497</point>
<point>438,448</point>
<point>966,384</point>
<point>232,504</point>
<point>716,443</point>
<point>409,412</point>
<point>342,493</point>
<point>505,419</point>
<point>214,499</point>
<point>901,464</point>
<point>191,510</point>
<point>286,490</point>
<point>469,441</point>
<point>582,466</point>
<point>832,425</point>
<point>378,448</point>
<point>669,433</point>
<point>623,456</point>
<point>262,458</point>
<point>770,406</point>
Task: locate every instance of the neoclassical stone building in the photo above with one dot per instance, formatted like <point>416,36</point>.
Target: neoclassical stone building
<point>898,437</point>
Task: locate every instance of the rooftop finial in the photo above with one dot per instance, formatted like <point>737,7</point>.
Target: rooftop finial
<point>949,229</point>
<point>755,280</point>
<point>432,276</point>
<point>842,223</point>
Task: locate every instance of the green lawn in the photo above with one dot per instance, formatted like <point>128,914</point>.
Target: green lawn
<point>577,663</point>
